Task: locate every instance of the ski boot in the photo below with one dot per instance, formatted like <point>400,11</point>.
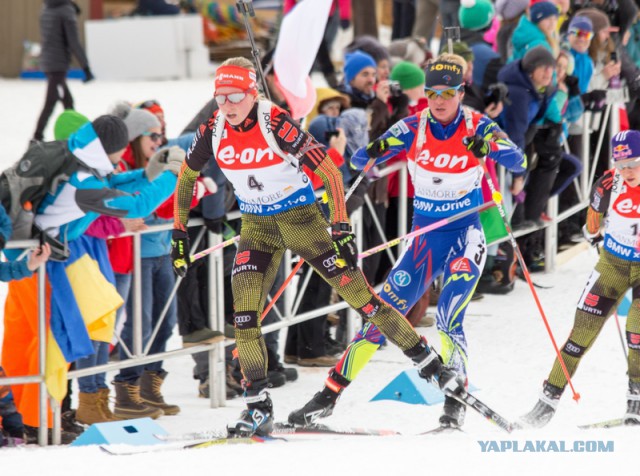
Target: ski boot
<point>322,403</point>
<point>257,419</point>
<point>453,413</point>
<point>545,407</point>
<point>430,368</point>
<point>632,417</point>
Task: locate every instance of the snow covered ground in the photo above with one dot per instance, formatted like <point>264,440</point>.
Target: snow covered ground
<point>510,354</point>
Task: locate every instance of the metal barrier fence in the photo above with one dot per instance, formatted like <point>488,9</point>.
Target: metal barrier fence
<point>217,366</point>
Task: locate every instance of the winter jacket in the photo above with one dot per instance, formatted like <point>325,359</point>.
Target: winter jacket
<point>95,191</point>
<point>156,7</point>
<point>528,106</point>
<point>486,62</point>
<point>59,37</point>
<point>526,36</point>
<point>344,7</point>
<point>583,69</point>
<point>12,269</point>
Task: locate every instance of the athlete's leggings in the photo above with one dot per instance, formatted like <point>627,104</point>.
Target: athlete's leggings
<point>303,230</point>
<point>459,254</point>
<point>608,283</point>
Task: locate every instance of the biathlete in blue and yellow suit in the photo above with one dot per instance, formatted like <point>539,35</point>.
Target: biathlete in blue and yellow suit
<point>444,163</point>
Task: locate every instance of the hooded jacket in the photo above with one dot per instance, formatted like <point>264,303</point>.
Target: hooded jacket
<point>528,106</point>
<point>59,37</point>
<point>94,190</point>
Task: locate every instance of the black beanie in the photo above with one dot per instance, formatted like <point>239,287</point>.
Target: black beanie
<point>112,132</point>
<point>536,57</point>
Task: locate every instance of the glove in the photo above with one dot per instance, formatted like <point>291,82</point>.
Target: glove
<point>344,243</point>
<point>88,75</point>
<point>156,165</point>
<point>175,158</point>
<point>214,225</point>
<point>431,369</point>
<point>572,85</point>
<point>3,241</point>
<point>595,100</point>
<point>379,147</point>
<point>477,146</point>
<point>594,238</point>
<point>345,23</point>
<point>180,252</point>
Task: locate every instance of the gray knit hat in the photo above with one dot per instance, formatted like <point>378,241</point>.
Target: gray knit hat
<point>137,121</point>
<point>510,9</point>
<point>536,57</point>
<point>112,132</point>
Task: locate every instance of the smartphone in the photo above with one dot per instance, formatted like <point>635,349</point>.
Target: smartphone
<point>329,134</point>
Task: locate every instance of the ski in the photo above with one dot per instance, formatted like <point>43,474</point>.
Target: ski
<point>485,411</point>
<point>442,429</point>
<point>604,424</point>
<point>319,428</point>
<point>127,450</point>
<point>281,428</point>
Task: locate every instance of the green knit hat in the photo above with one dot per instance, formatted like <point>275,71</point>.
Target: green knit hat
<point>460,48</point>
<point>476,14</point>
<point>409,75</point>
<point>67,123</point>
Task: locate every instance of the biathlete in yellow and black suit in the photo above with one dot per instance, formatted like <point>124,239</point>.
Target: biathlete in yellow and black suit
<point>261,150</point>
<point>613,217</point>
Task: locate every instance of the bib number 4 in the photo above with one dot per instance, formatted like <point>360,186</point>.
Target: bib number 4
<point>254,184</point>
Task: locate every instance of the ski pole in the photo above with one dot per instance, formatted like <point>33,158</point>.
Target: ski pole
<point>497,198</point>
<point>425,229</point>
<point>624,347</point>
<point>297,267</point>
<point>245,8</point>
<point>224,244</point>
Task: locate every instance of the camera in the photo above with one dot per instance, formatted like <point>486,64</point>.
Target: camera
<point>497,92</point>
<point>394,89</point>
<point>329,134</point>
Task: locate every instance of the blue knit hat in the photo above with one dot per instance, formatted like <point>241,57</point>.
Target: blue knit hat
<point>541,10</point>
<point>625,146</point>
<point>356,62</point>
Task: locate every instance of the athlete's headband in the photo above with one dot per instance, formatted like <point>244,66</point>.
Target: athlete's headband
<point>442,73</point>
<point>236,77</point>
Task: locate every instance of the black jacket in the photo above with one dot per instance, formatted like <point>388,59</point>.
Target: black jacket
<point>59,37</point>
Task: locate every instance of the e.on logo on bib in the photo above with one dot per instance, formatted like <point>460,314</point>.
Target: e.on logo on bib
<point>627,207</point>
<point>245,158</point>
<point>447,162</point>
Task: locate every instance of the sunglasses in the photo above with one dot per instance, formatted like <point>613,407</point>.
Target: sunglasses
<point>627,164</point>
<point>444,93</point>
<point>154,136</point>
<point>582,34</point>
<point>233,98</point>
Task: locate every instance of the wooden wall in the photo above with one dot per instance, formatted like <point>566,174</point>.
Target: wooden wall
<point>19,22</point>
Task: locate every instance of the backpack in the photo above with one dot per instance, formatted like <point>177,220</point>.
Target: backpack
<point>24,185</point>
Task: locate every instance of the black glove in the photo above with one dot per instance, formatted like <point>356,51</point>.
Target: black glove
<point>180,252</point>
<point>595,100</point>
<point>214,225</point>
<point>3,241</point>
<point>594,238</point>
<point>477,145</point>
<point>344,243</point>
<point>345,23</point>
<point>379,147</point>
<point>572,85</point>
<point>88,75</point>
